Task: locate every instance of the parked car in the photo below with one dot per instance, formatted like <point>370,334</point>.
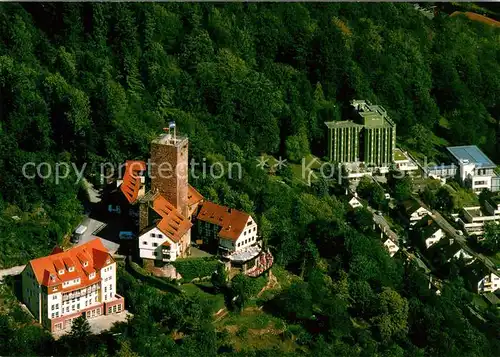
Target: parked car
<point>77,235</point>
<point>126,235</point>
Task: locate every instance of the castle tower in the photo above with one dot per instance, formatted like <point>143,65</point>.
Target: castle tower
<point>169,170</point>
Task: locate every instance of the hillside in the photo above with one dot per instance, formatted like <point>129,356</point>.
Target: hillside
<point>92,83</point>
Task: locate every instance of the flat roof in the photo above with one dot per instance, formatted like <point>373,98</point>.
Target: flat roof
<point>473,154</point>
<point>399,155</point>
<point>342,124</point>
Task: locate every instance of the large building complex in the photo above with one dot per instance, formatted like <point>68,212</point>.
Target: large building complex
<point>168,210</point>
<point>474,168</point>
<point>370,137</point>
<point>66,284</point>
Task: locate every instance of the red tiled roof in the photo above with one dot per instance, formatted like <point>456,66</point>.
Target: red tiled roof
<point>131,180</point>
<point>94,252</point>
<point>173,224</point>
<point>193,196</point>
<point>231,221</point>
<point>477,17</point>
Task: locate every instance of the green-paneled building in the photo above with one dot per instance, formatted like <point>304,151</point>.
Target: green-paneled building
<point>370,137</point>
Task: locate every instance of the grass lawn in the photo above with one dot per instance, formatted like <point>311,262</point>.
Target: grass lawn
<point>253,329</point>
<point>495,259</point>
<point>201,290</point>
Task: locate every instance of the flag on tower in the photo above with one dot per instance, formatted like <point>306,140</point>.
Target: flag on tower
<point>171,124</point>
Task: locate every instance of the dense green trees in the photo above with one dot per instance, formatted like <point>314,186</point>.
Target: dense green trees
<point>88,83</point>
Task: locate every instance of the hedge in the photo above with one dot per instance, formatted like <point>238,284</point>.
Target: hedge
<point>193,268</point>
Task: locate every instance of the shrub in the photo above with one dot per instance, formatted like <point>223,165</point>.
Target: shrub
<point>196,267</point>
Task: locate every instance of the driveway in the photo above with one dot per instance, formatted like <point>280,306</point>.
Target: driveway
<point>100,324</point>
<point>452,232</point>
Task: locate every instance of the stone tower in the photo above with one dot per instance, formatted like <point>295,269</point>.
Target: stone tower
<point>169,170</point>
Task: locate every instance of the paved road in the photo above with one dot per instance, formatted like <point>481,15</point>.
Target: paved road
<point>452,232</point>
<point>383,225</point>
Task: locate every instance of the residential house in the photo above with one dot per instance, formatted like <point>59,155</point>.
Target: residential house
<point>446,250</point>
<point>414,211</point>
<point>391,246</point>
<point>67,284</point>
<point>481,278</point>
<point>355,202</point>
<point>430,232</point>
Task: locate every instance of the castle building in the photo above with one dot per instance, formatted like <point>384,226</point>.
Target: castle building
<point>67,284</point>
<point>370,137</point>
<point>167,212</point>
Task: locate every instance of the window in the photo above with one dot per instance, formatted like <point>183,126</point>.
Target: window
<point>53,315</point>
<point>119,308</point>
<point>245,233</point>
<point>105,289</point>
<point>154,253</point>
<point>144,242</point>
<point>61,272</point>
<point>109,311</point>
<point>71,269</point>
<point>254,229</point>
<point>53,307</point>
<point>155,244</point>
<point>72,307</point>
<point>153,235</point>
<point>54,297</point>
<point>78,306</point>
<point>67,308</point>
<point>249,223</point>
<point>160,235</point>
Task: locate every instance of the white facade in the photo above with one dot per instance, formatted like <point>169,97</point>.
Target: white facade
<point>354,203</point>
<point>63,294</point>
<point>490,283</point>
<point>479,178</point>
<point>154,244</point>
<point>248,237</point>
<point>417,215</point>
<point>434,238</point>
<point>462,254</point>
<point>391,247</point>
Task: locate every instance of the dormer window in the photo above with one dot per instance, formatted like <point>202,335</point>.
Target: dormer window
<point>92,275</point>
<point>71,269</point>
<point>108,261</point>
<point>85,263</point>
<point>61,272</point>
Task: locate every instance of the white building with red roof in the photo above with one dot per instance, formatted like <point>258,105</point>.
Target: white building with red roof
<point>234,230</point>
<point>66,284</point>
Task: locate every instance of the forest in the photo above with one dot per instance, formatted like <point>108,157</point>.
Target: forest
<point>94,82</point>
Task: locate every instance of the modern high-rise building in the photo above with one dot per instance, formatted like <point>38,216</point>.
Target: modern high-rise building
<point>370,137</point>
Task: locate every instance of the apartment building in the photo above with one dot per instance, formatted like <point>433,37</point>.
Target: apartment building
<point>369,138</point>
<point>67,284</point>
